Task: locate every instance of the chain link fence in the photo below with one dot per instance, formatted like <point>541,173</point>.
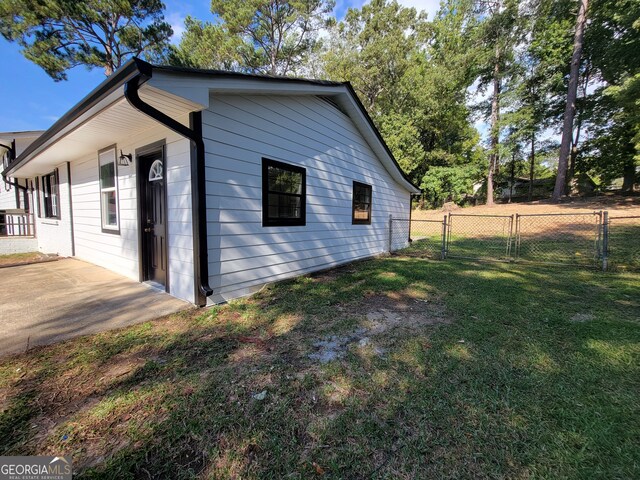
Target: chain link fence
<point>584,239</point>
<point>563,238</point>
<point>418,238</point>
<point>479,236</point>
<point>622,246</point>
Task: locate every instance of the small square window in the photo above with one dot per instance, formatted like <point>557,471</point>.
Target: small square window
<point>283,194</point>
<point>361,204</point>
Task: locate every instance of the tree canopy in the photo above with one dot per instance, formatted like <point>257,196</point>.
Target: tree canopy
<point>60,34</point>
<point>472,97</point>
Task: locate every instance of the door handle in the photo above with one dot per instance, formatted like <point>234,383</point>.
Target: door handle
<point>148,230</point>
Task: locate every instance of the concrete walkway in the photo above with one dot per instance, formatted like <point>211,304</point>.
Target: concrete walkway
<point>49,302</point>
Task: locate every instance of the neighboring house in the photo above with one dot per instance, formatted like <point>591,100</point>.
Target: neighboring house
<point>542,188</point>
<point>211,184</point>
<point>17,233</point>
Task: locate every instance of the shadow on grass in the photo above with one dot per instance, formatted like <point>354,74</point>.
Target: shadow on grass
<point>537,376</point>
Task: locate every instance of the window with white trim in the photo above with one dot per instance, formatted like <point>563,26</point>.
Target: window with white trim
<point>109,190</point>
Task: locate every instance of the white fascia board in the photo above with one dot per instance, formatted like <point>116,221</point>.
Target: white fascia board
<point>197,88</point>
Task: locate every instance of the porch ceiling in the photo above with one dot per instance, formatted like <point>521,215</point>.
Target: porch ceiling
<point>115,121</point>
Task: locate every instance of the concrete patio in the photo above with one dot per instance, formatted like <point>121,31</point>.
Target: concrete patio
<point>49,302</point>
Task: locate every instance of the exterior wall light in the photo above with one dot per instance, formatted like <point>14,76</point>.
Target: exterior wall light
<point>125,160</point>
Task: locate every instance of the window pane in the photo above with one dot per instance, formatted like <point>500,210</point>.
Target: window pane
<point>292,207</point>
<point>50,196</point>
<point>109,210</point>
<point>284,181</point>
<point>107,176</point>
<point>284,206</point>
<point>54,203</point>
<point>361,213</point>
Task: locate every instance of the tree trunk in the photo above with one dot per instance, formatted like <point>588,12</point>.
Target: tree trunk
<point>629,175</point>
<point>495,128</point>
<point>108,67</point>
<point>512,180</point>
<point>572,168</point>
<point>569,112</point>
<point>532,166</point>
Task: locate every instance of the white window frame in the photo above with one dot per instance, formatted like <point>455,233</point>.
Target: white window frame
<point>105,156</point>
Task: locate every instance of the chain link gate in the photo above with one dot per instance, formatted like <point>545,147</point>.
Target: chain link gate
<point>622,242</point>
<point>559,238</point>
<point>485,237</point>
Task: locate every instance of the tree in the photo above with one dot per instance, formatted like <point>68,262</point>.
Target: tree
<point>567,128</point>
<point>612,46</point>
<point>374,48</point>
<point>499,36</point>
<point>412,75</point>
<point>60,34</point>
<point>272,36</point>
<point>206,45</point>
<point>537,77</point>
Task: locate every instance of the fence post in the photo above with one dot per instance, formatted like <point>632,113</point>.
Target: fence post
<point>444,238</point>
<point>510,239</point>
<point>605,240</point>
<point>517,238</point>
<point>390,230</point>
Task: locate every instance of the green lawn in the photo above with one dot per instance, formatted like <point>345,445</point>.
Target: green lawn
<point>493,371</point>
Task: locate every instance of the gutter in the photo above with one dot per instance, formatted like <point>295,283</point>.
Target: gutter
<point>198,182</point>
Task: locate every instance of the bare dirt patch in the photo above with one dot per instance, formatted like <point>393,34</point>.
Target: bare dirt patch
<point>382,317</point>
<point>582,317</point>
<point>332,274</point>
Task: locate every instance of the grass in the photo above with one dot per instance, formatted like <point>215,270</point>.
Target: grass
<point>534,374</point>
<point>20,258</point>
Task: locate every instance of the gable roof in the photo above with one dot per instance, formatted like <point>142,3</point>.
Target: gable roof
<point>192,87</point>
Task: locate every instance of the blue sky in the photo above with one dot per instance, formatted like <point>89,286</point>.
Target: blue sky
<point>31,100</point>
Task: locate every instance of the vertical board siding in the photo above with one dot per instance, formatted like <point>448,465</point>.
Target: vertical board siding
<point>239,131</point>
<point>120,252</point>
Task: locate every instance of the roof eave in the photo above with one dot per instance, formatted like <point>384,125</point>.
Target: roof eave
<point>131,68</point>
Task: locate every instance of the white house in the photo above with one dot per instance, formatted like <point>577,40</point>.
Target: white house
<point>211,184</point>
<point>17,233</point>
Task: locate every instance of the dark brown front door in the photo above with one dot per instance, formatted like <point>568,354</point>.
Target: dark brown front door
<point>153,218</point>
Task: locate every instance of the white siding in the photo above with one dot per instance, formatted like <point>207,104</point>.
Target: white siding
<point>301,130</point>
<point>119,252</point>
<point>54,235</point>
<point>7,195</point>
<point>9,245</point>
<point>7,191</point>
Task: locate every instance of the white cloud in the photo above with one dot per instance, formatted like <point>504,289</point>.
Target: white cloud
<point>429,6</point>
<point>176,20</point>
